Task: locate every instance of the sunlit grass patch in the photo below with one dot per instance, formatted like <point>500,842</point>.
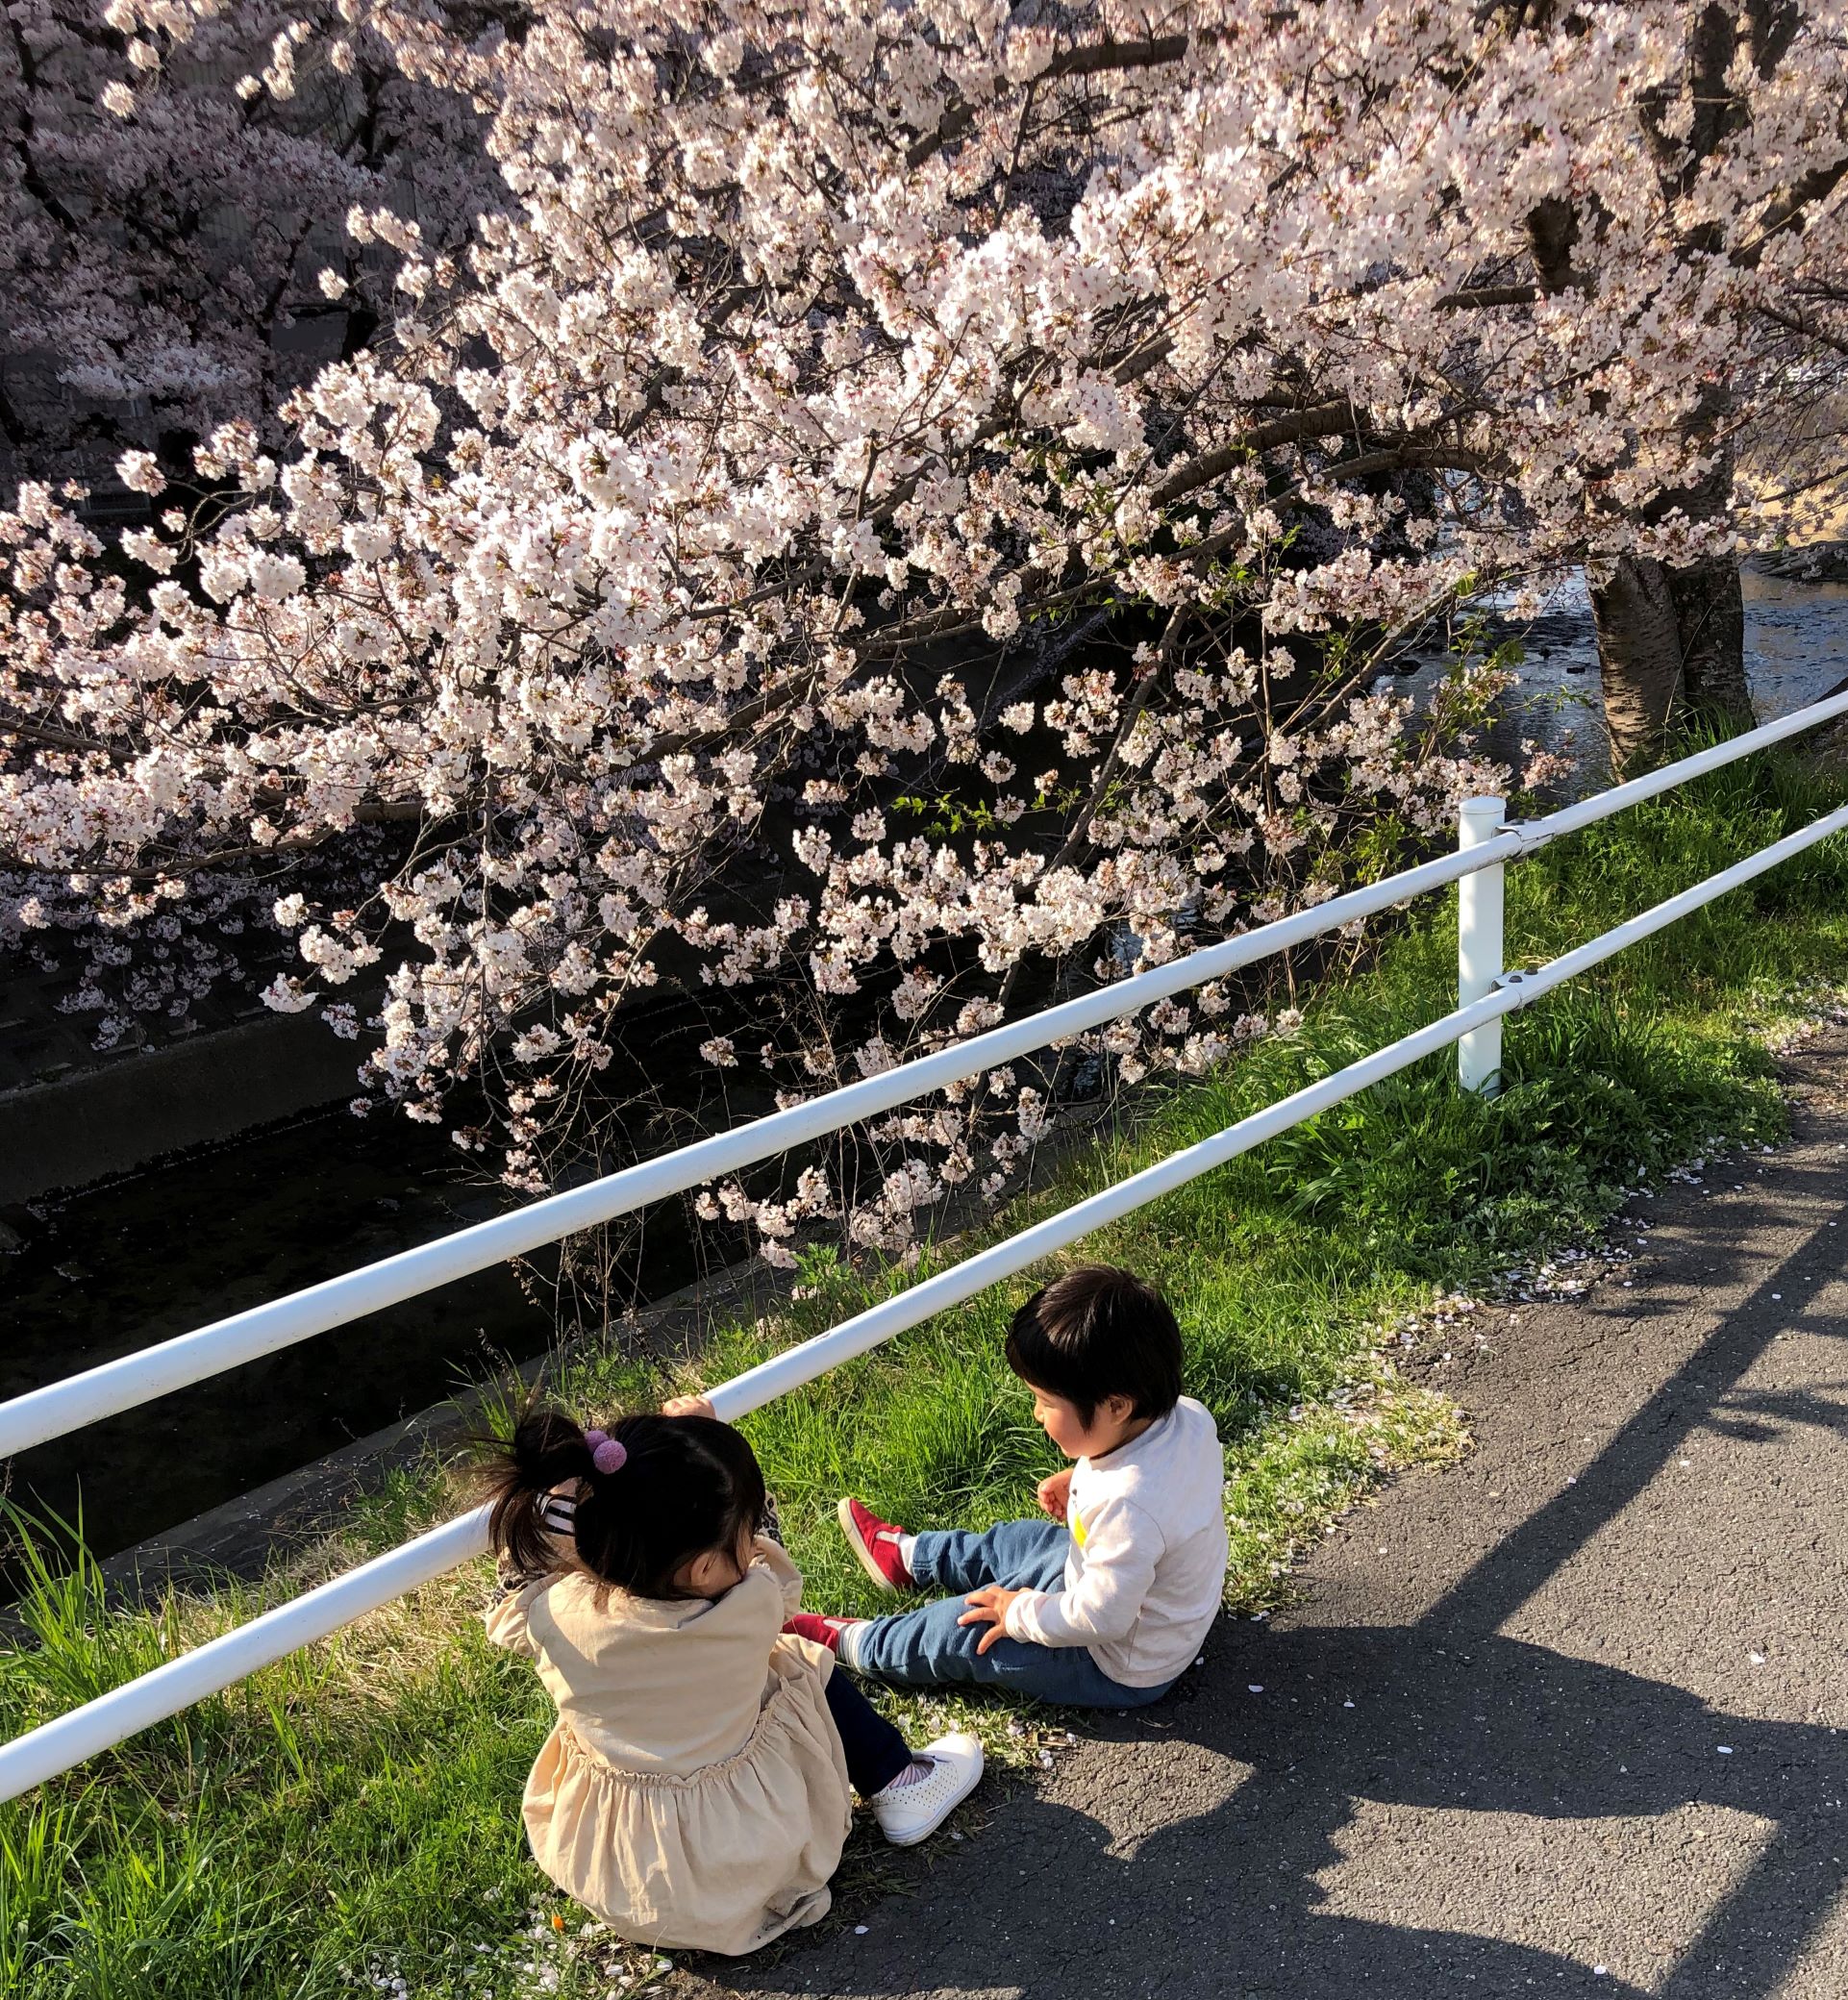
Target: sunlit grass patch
<point>1307,1471</point>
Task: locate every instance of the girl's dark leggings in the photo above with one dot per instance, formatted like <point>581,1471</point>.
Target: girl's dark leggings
<point>876,1752</point>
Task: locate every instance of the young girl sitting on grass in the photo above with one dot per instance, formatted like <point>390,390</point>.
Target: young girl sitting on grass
<point>694,1792</point>
<point>1106,1603</point>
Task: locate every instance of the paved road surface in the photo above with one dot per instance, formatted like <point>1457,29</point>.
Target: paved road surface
<point>1568,1719</point>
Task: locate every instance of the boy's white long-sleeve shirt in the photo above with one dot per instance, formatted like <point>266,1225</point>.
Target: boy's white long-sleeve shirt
<point>1148,1554</point>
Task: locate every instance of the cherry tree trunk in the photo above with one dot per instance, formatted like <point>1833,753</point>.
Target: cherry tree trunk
<point>1709,611</point>
<point>1671,644</point>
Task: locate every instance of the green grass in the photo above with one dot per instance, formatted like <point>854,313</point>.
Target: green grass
<point>350,1814</point>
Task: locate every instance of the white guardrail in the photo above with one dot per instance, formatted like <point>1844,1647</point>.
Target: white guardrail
<point>1486,994</point>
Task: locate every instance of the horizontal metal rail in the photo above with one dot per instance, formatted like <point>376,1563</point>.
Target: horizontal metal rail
<point>1568,820</point>
<point>138,1378</point>
<point>112,1718</point>
<point>854,1336</point>
<point>133,1378</point>
<point>58,1745</point>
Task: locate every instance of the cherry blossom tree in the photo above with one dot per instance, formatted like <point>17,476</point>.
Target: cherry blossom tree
<point>901,508</point>
<point>172,185</point>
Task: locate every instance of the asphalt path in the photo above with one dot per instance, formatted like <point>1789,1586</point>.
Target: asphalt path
<point>1568,1718</point>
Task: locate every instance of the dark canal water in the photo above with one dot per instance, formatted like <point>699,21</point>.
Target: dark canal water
<point>103,1272</point>
<point>89,1275</point>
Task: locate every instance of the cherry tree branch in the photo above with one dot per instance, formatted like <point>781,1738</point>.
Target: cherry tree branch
<point>1095,60</point>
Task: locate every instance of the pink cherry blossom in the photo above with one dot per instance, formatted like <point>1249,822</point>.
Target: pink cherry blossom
<point>891,514</point>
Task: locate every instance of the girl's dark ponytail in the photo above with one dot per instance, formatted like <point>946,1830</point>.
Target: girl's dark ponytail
<point>680,1486</point>
<point>547,1450</point>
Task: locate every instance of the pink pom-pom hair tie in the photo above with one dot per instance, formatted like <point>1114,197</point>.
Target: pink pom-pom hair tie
<point>607,1454</point>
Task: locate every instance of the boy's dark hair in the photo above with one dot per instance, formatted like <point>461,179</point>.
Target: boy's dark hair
<point>689,1484</point>
<point>1099,1331</point>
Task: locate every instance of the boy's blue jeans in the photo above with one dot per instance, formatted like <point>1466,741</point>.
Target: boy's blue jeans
<point>926,1647</point>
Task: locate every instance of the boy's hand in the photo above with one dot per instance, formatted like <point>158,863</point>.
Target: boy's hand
<point>688,1405</point>
<point>1055,1493</point>
<point>990,1605</point>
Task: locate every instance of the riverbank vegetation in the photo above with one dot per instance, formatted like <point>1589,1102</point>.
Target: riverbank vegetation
<point>348,1818</point>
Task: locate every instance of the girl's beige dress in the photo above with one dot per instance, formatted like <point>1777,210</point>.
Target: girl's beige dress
<point>694,1792</point>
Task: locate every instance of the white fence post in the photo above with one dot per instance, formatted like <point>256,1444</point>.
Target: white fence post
<point>1479,943</point>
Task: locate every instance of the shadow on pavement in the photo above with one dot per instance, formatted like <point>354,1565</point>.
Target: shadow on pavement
<point>1248,1801</point>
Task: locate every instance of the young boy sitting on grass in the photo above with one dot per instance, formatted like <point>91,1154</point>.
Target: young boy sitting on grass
<point>1105,1605</point>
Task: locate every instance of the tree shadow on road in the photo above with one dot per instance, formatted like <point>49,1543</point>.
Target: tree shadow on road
<point>1053,1904</point>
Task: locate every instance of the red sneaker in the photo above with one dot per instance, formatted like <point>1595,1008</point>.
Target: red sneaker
<point>876,1543</point>
<point>825,1632</point>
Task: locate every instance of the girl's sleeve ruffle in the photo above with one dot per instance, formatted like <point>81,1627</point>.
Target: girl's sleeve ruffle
<point>506,1620</point>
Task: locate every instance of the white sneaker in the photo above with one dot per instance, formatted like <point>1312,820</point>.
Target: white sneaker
<point>915,1811</point>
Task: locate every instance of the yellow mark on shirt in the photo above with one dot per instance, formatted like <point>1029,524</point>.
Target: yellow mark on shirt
<point>1078,1529</point>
